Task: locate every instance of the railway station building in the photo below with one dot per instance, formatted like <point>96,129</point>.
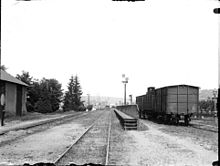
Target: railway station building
<point>14,92</point>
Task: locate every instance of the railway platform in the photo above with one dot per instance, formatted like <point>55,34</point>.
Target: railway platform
<point>127,122</point>
<point>22,125</point>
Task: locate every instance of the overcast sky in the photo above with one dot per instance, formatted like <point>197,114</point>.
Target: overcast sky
<point>153,42</point>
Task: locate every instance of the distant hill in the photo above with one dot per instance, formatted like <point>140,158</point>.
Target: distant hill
<point>102,100</point>
<point>204,94</point>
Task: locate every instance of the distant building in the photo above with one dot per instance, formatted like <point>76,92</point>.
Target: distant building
<point>14,91</point>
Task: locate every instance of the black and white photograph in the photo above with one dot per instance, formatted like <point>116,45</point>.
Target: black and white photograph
<point>109,82</point>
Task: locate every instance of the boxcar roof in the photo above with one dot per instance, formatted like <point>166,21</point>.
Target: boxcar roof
<point>8,78</point>
<point>171,87</point>
<point>179,85</point>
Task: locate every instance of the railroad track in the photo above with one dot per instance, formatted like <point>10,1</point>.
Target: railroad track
<point>198,126</point>
<point>43,122</point>
<point>204,127</point>
<point>42,127</point>
<point>92,146</point>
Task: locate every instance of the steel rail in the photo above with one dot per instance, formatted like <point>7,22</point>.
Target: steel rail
<point>200,127</point>
<point>44,122</point>
<point>60,121</point>
<point>79,138</point>
<point>196,126</point>
<point>202,124</point>
<point>108,141</point>
<point>75,142</point>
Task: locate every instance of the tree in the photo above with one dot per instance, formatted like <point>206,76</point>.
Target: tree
<point>68,102</point>
<point>72,98</point>
<point>48,91</point>
<point>2,67</point>
<point>206,105</point>
<point>34,95</point>
<point>25,77</point>
<point>55,93</point>
<point>42,96</point>
<point>89,107</point>
<point>77,93</point>
<point>43,106</point>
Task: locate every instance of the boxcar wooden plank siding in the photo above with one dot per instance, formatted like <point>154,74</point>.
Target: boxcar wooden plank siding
<point>182,108</point>
<point>182,90</point>
<point>171,107</point>
<point>172,98</point>
<point>178,100</point>
<point>172,90</point>
<point>182,98</point>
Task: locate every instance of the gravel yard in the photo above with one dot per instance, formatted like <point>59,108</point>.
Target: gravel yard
<point>204,137</point>
<point>13,135</point>
<point>212,121</point>
<point>152,144</point>
<point>44,146</point>
<point>159,145</point>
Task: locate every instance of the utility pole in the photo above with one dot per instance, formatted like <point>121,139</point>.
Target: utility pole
<point>217,11</point>
<point>88,99</point>
<point>214,98</point>
<point>125,81</point>
<point>130,99</point>
<point>1,92</point>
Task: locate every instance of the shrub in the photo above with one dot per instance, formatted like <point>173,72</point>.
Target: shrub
<point>30,107</point>
<point>43,106</point>
<point>82,108</point>
<point>89,107</point>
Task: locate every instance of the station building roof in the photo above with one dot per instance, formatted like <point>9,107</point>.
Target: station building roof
<point>9,78</point>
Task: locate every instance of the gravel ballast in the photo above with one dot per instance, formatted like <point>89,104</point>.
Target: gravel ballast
<point>152,144</point>
<point>91,148</point>
<point>156,146</point>
<point>45,145</point>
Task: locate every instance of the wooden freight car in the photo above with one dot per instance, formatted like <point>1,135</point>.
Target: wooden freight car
<point>169,104</point>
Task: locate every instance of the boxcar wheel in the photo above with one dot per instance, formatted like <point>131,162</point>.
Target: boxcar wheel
<point>177,121</point>
<point>167,119</point>
<point>186,120</point>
